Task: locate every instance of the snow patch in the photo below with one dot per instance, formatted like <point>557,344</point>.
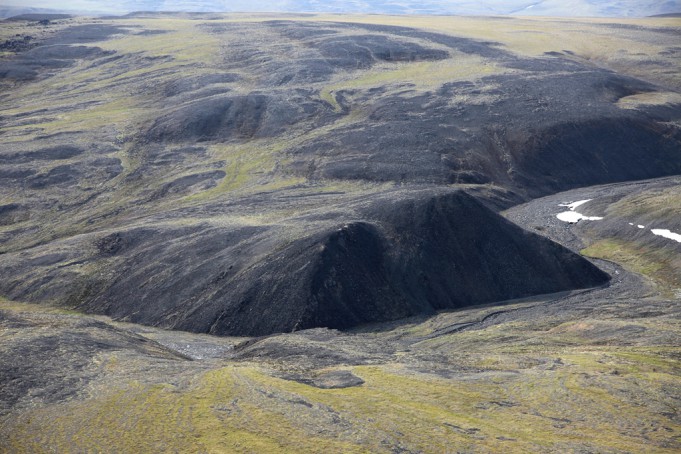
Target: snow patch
<point>573,205</point>
<point>667,234</point>
<point>572,216</point>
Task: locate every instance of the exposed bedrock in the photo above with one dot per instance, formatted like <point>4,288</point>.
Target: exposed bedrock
<point>412,252</point>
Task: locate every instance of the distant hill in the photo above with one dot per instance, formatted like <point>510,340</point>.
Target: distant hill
<point>667,15</point>
<point>16,12</point>
<point>593,8</point>
<point>39,17</point>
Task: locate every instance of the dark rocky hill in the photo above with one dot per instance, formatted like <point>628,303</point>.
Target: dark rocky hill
<point>398,254</point>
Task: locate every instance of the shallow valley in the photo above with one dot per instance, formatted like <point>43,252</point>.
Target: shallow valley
<point>247,233</point>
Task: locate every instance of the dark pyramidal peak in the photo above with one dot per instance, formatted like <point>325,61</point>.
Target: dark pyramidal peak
<point>279,175</point>
<point>405,253</point>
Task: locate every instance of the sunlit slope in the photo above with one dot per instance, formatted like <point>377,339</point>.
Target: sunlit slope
<point>535,377</point>
<point>639,232</point>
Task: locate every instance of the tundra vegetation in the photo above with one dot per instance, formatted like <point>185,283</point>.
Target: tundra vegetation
<point>325,233</point>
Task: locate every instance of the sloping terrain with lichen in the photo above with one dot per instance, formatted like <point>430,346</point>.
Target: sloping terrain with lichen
<point>369,203</point>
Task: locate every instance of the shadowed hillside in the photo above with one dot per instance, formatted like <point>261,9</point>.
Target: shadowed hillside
<point>396,255</point>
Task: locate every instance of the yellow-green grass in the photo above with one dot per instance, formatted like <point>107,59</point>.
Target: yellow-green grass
<point>657,264</point>
<point>655,208</point>
<point>18,306</point>
<point>603,400</point>
<point>426,75</point>
<point>184,44</point>
<point>255,165</point>
<point>246,163</point>
<point>648,99</point>
<point>184,40</point>
<point>662,204</point>
<point>550,395</point>
<point>590,40</point>
<point>121,113</point>
<point>184,37</point>
<point>533,386</point>
<point>17,29</point>
<point>531,36</point>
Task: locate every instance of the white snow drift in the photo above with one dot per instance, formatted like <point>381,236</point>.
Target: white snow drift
<point>667,234</point>
<point>572,216</point>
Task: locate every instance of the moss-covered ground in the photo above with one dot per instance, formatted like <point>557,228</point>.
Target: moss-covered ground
<point>528,385</point>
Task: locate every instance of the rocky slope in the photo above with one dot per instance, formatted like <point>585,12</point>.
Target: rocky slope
<point>404,254</point>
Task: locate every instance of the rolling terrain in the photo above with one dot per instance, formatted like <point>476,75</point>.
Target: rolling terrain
<point>588,8</point>
<point>338,233</point>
